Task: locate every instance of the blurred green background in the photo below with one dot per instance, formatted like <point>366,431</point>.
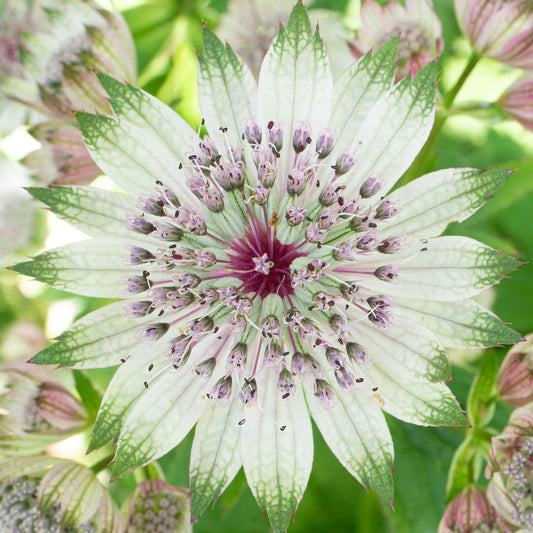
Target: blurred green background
<point>166,34</point>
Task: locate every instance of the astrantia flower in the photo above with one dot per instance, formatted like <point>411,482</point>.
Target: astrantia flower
<point>268,272</point>
<point>500,29</point>
<point>416,24</point>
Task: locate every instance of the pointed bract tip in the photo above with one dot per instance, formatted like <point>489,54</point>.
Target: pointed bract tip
<point>193,520</point>
<point>391,504</point>
<point>30,360</point>
<point>89,450</point>
<point>9,268</point>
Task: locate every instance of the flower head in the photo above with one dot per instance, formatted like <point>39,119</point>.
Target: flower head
<point>471,512</point>
<point>500,29</point>
<point>517,102</point>
<point>268,271</point>
<point>416,24</point>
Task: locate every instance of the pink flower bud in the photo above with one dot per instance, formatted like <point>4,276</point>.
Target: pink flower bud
<point>57,406</point>
<point>515,378</point>
<point>500,29</point>
<point>517,102</point>
<point>469,512</point>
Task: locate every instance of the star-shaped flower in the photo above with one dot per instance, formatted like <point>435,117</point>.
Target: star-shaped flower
<point>267,274</point>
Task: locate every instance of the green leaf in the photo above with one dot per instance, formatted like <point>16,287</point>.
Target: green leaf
<point>423,457</point>
<point>483,394</point>
<point>90,396</point>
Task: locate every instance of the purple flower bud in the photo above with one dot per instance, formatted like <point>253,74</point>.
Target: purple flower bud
<point>304,364</point>
<point>153,332</point>
<point>270,327</point>
<point>139,224</point>
<point>345,162</point>
<point>205,259</point>
<point>222,389</point>
<point>345,379</point>
<point>286,384</point>
<point>371,186</point>
<point>324,142</point>
<point>207,295</point>
<point>329,195</point>
<point>335,357</point>
<point>387,209</point>
<point>392,244</point>
<point>380,311</point>
<point>252,131</point>
<point>275,135</point>
<point>296,181</point>
<point>295,215</point>
<point>237,357</point>
<point>205,368</point>
<point>230,175</point>
<point>138,255</point>
<point>323,301</point>
<point>324,393</point>
<point>346,251</point>
<point>151,204</point>
<point>201,326</point>
<point>301,137</point>
<point>357,354</point>
<point>138,309</point>
<point>367,242</point>
<point>314,233</point>
<point>387,273</point>
<point>167,232</point>
<point>136,284</point>
<point>260,195</point>
<point>249,392</point>
<point>273,354</point>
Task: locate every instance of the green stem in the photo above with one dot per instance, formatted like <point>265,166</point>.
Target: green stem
<point>150,471</point>
<point>420,161</point>
<point>102,464</point>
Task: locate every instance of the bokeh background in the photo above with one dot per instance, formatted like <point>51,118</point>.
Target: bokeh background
<point>167,34</point>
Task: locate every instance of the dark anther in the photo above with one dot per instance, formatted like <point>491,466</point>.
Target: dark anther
<point>161,312</point>
<point>180,166</point>
<point>242,421</point>
<point>123,360</point>
<point>159,182</point>
<point>172,246</point>
<point>374,389</point>
<point>285,396</point>
<point>282,428</point>
<point>424,249</point>
<point>150,367</point>
<point>146,384</point>
<point>359,380</point>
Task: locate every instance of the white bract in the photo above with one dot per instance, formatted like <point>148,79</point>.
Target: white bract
<point>267,275</point>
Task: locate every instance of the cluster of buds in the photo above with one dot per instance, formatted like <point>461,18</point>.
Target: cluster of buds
<point>49,51</point>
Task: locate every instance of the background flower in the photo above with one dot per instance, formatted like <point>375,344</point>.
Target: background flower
<point>416,24</point>
<point>499,29</point>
